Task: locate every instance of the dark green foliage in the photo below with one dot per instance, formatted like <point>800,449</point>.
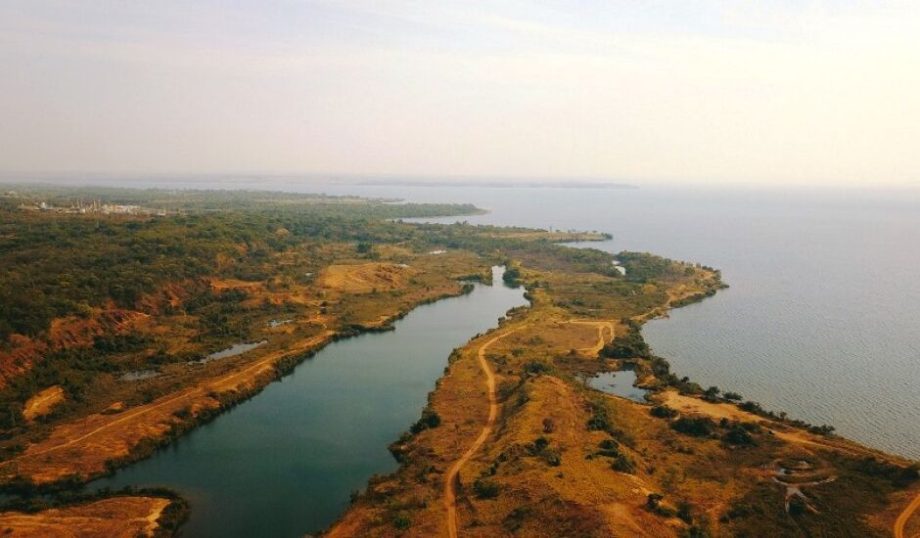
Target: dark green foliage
<point>401,521</point>
<point>628,346</point>
<point>55,264</point>
<point>899,477</point>
<point>542,449</point>
<point>608,444</point>
<point>430,419</point>
<point>685,511</point>
<point>694,426</point>
<point>738,435</point>
<point>515,519</point>
<point>623,464</point>
<point>751,407</point>
<point>663,411</point>
<point>643,267</point>
<point>599,419</point>
<point>512,275</point>
<point>484,488</point>
<point>823,429</point>
<point>711,394</point>
<point>537,367</point>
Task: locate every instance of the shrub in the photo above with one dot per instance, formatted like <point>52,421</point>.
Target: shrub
<point>536,367</point>
<point>711,394</point>
<point>663,411</point>
<point>628,346</point>
<point>485,488</point>
<point>696,426</point>
<point>623,464</point>
<point>609,444</point>
<point>430,419</point>
<point>599,420</point>
<point>402,521</point>
<point>738,435</point>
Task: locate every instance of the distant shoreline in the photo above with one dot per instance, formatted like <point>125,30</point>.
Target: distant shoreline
<point>496,184</point>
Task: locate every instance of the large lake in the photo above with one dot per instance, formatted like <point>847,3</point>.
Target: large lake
<point>285,462</point>
<point>823,316</point>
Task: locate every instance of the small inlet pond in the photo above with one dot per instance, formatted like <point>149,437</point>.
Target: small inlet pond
<point>285,462</point>
<point>619,383</point>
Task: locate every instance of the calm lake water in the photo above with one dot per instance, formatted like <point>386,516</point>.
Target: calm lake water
<point>285,462</point>
<point>618,383</point>
<point>823,316</point>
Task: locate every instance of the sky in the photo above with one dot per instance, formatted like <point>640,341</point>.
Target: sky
<point>782,92</point>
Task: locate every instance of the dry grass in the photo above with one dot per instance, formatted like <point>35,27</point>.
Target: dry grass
<point>117,517</point>
<point>366,277</point>
<point>43,402</point>
<point>569,488</point>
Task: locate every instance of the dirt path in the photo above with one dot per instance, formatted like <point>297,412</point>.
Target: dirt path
<point>904,517</point>
<point>601,337</point>
<point>195,392</point>
<point>450,494</point>
<point>41,403</point>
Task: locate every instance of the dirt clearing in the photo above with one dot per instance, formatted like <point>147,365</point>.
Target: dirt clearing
<point>42,403</point>
<point>366,277</point>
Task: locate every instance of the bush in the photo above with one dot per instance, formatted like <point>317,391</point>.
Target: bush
<point>430,419</point>
<point>623,464</point>
<point>663,411</point>
<point>711,394</point>
<point>402,521</point>
<point>609,444</point>
<point>599,420</point>
<point>485,488</point>
<point>536,367</point>
<point>540,447</point>
<point>751,407</point>
<point>628,346</point>
<point>696,426</point>
<point>738,435</point>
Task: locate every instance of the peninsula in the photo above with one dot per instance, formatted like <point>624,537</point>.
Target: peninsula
<point>121,331</point>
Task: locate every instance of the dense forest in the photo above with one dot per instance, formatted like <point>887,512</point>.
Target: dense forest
<point>56,263</point>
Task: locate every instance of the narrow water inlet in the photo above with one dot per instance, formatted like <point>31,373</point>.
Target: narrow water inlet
<point>285,462</point>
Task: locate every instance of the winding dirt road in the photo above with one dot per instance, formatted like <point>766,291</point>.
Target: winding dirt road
<point>902,520</point>
<point>188,394</point>
<point>601,338</point>
<point>450,493</point>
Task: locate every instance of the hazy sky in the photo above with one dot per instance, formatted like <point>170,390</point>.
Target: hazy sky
<point>780,92</point>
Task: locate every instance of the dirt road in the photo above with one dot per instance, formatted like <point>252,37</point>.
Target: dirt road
<point>450,494</point>
<point>902,520</point>
<point>601,337</point>
<point>98,438</point>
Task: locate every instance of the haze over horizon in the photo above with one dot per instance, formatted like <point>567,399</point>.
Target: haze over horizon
<point>793,93</point>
